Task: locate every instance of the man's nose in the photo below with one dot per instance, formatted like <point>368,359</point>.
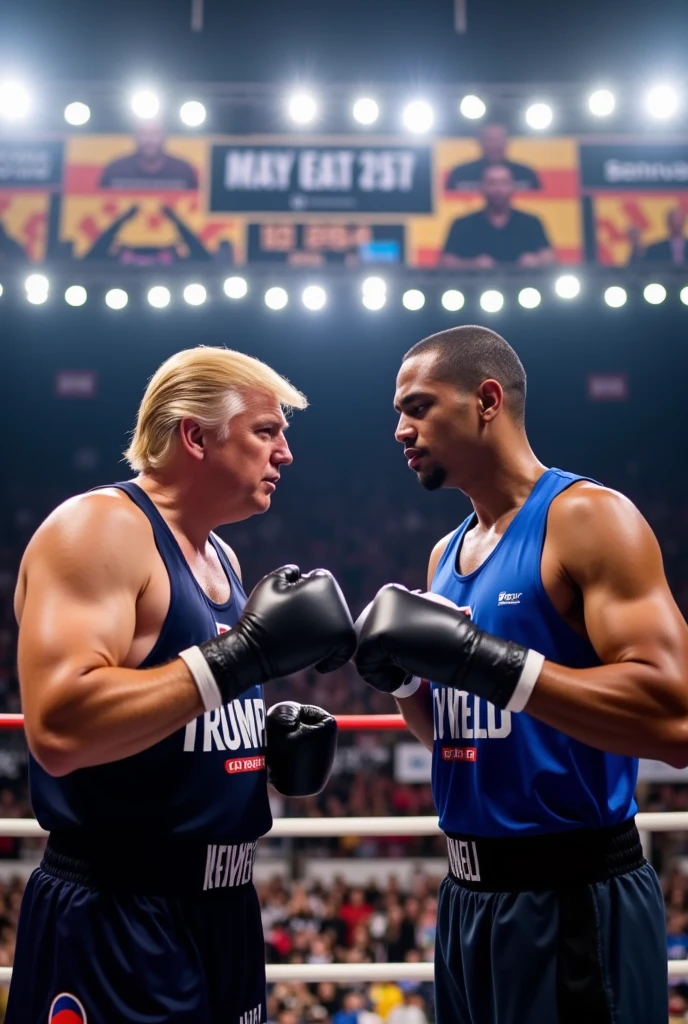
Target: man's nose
<point>405,431</point>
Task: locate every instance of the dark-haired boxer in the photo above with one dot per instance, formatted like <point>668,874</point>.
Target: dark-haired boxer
<point>561,659</point>
<point>141,664</point>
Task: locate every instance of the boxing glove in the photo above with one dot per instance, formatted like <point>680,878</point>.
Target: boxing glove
<point>440,643</point>
<point>301,743</point>
<point>290,622</point>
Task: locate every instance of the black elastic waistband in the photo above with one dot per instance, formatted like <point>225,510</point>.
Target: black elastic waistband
<point>155,868</point>
<point>526,863</point>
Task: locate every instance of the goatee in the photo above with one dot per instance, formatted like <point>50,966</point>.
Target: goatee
<point>433,479</point>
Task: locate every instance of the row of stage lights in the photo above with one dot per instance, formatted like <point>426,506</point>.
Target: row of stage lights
<point>661,102</point>
<point>373,295</point>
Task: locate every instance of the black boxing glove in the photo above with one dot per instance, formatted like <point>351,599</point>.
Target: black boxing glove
<point>430,640</point>
<point>301,742</point>
<point>290,622</point>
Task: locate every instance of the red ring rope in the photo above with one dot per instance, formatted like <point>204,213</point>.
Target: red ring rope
<point>345,722</point>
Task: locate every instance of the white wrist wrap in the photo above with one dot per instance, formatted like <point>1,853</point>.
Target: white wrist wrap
<point>529,676</point>
<point>408,689</point>
<point>203,678</point>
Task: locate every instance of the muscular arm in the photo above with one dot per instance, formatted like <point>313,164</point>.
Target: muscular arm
<point>636,703</point>
<point>417,709</point>
<point>80,581</point>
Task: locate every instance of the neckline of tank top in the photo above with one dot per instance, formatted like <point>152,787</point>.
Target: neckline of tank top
<point>468,576</point>
<point>224,561</point>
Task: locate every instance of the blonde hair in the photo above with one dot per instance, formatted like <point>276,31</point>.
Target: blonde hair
<point>206,384</point>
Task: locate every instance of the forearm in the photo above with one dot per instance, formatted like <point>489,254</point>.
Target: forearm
<point>417,712</point>
<point>627,708</point>
<point>110,713</point>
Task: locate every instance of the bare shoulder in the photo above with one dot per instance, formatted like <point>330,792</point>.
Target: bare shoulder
<point>592,525</point>
<point>92,535</point>
<point>436,555</point>
<point>231,555</point>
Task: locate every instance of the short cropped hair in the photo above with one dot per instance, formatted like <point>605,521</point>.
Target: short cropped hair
<point>207,384</point>
<point>467,356</point>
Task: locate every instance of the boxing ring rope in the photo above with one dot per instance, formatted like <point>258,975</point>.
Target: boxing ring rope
<point>289,828</point>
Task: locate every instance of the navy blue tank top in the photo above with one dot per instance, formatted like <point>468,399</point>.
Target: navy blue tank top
<point>206,781</point>
<point>496,773</point>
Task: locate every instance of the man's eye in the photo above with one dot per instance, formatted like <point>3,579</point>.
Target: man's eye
<point>418,410</point>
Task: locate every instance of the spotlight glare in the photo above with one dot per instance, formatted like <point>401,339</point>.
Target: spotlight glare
<point>601,103</point>
<point>539,116</point>
<point>413,299</point>
<point>374,285</point>
<point>314,297</point>
<point>615,296</point>
<point>491,301</point>
<point>453,300</point>
<point>75,295</point>
<point>37,283</point>
<point>654,294</point>
<point>567,286</point>
<point>529,298</point>
<point>302,108</point>
<point>276,298</point>
<point>159,296</point>
<point>683,295</point>
<point>145,104</point>
<point>15,101</point>
<point>366,110</point>
<point>192,113</point>
<point>195,294</point>
<point>116,298</point>
<point>374,300</point>
<point>662,102</point>
<point>472,107</point>
<point>235,287</point>
<point>77,113</point>
<point>418,116</point>
<point>37,298</point>
<point>1,290</point>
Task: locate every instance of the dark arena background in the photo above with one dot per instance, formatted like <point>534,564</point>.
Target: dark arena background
<point>317,185</point>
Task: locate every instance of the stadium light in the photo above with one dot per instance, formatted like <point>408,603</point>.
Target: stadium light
<point>491,301</point>
<point>77,113</point>
<point>601,103</point>
<point>302,108</point>
<point>366,110</point>
<point>195,294</point>
<point>192,113</point>
<point>655,294</point>
<point>15,101</point>
<point>276,298</point>
<point>539,116</point>
<point>529,298</point>
<point>116,298</point>
<point>37,298</point>
<point>683,296</point>
<point>374,285</point>
<point>159,296</point>
<point>472,107</point>
<point>615,296</point>
<point>75,295</point>
<point>453,300</point>
<point>374,300</point>
<point>145,104</point>
<point>37,283</point>
<point>418,116</point>
<point>413,299</point>
<point>314,297</point>
<point>567,286</point>
<point>662,102</point>
<point>1,291</point>
<point>235,287</point>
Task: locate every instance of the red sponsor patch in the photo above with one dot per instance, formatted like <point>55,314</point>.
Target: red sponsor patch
<point>244,764</point>
<point>459,753</point>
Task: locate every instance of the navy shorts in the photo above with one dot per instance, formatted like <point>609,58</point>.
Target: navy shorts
<point>93,952</point>
<point>577,952</point>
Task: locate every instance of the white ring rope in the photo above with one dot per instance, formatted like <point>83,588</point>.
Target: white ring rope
<point>663,821</point>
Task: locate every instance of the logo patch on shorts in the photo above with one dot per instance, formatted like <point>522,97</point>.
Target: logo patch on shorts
<point>244,764</point>
<point>66,1009</point>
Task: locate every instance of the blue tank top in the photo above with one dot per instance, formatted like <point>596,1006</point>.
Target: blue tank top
<point>495,773</point>
<point>206,781</point>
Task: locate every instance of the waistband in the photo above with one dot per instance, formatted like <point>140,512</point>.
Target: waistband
<point>173,868</point>
<point>553,861</point>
